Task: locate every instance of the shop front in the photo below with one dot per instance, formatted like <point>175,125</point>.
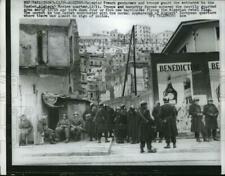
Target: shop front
<point>180,77</point>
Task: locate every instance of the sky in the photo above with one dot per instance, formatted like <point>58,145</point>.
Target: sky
<point>88,26</point>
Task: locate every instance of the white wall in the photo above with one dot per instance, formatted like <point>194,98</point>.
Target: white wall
<point>206,40</point>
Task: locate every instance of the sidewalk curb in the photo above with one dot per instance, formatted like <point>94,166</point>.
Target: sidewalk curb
<point>85,153</point>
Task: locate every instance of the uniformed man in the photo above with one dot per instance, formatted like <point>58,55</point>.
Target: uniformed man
<point>211,113</point>
<point>45,132</point>
<point>110,120</point>
<point>116,122</point>
<point>168,114</point>
<point>158,121</point>
<point>77,126</point>
<point>132,125</point>
<point>63,128</point>
<point>100,123</point>
<point>25,127</point>
<point>146,128</point>
<point>197,125</point>
<point>121,124</point>
<point>89,121</point>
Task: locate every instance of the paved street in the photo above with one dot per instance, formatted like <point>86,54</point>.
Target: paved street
<point>188,152</point>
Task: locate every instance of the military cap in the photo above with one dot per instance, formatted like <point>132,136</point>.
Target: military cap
<point>165,99</point>
<point>195,99</point>
<point>143,102</point>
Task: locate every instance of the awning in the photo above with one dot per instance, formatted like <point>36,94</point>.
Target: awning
<point>53,100</point>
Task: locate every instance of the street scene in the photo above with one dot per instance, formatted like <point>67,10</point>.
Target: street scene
<point>101,93</point>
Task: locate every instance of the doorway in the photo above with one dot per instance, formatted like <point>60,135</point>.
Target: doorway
<point>53,117</point>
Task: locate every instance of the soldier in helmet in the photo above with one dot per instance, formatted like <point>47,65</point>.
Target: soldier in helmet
<point>47,133</point>
<point>132,125</point>
<point>146,128</point>
<point>168,114</point>
<point>158,121</point>
<point>25,127</point>
<point>63,128</point>
<point>121,124</point>
<point>88,117</point>
<point>77,126</point>
<point>100,123</point>
<point>211,113</point>
<point>197,125</point>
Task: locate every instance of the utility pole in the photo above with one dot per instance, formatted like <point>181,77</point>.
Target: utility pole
<point>134,57</point>
<point>132,38</point>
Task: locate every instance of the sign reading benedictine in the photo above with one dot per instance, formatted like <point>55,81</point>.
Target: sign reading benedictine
<point>175,82</point>
<point>214,76</point>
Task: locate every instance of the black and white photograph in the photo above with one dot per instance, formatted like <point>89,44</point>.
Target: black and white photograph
<point>126,90</point>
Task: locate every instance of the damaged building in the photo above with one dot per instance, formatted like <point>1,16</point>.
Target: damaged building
<point>49,70</point>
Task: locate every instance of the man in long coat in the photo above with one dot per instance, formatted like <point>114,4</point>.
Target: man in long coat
<point>121,124</point>
<point>110,120</point>
<point>88,117</point>
<point>146,128</point>
<point>211,113</point>
<point>158,121</point>
<point>132,125</point>
<point>168,115</point>
<point>100,123</point>
<point>197,125</point>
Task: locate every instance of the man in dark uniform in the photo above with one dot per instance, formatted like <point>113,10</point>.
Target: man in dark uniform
<point>211,113</point>
<point>116,122</point>
<point>63,128</point>
<point>121,124</point>
<point>77,126</point>
<point>158,121</point>
<point>168,114</point>
<point>110,120</point>
<point>25,127</point>
<point>88,117</point>
<point>146,128</point>
<point>100,123</point>
<point>132,125</point>
<point>45,132</point>
<point>197,125</point>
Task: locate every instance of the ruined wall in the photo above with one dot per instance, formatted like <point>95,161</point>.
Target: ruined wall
<point>58,49</point>
<point>55,46</point>
<point>31,86</point>
<point>28,49</point>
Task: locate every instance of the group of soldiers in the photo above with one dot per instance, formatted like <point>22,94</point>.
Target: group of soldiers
<point>135,125</point>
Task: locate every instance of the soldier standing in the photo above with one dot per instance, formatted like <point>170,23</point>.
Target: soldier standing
<point>158,121</point>
<point>146,128</point>
<point>110,120</point>
<point>132,125</point>
<point>121,123</point>
<point>89,121</point>
<point>211,113</point>
<point>100,123</point>
<point>77,126</point>
<point>47,133</point>
<point>168,115</point>
<point>25,127</point>
<point>197,125</point>
<point>63,128</point>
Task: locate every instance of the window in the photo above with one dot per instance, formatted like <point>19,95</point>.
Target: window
<point>71,50</point>
<point>40,49</point>
<point>218,33</point>
<point>183,49</point>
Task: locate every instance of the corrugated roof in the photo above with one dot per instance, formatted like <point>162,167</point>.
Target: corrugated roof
<point>46,22</point>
